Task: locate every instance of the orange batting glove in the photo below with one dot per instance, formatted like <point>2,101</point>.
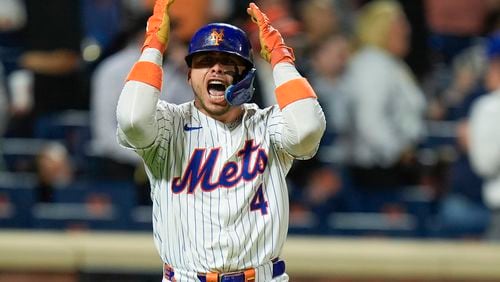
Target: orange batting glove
<point>158,28</point>
<point>273,48</point>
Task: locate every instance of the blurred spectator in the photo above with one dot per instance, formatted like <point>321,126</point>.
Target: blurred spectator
<point>454,26</point>
<point>462,212</point>
<point>386,105</point>
<point>54,170</point>
<point>484,142</point>
<point>53,37</point>
<point>327,66</point>
<point>320,19</point>
<point>461,209</point>
<point>315,197</point>
<point>467,72</point>
<point>317,185</point>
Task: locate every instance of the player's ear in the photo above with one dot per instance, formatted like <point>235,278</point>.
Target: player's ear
<point>189,76</point>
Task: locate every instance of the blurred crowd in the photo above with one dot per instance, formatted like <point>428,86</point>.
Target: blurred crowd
<point>408,89</point>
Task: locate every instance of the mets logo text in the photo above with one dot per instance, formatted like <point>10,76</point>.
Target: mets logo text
<point>216,37</point>
<point>200,169</point>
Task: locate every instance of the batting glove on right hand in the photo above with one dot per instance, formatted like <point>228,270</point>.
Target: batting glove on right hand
<point>158,28</point>
<point>273,48</point>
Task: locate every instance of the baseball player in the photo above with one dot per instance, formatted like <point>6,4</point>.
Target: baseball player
<point>217,165</point>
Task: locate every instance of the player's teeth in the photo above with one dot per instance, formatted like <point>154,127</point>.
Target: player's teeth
<point>216,96</point>
<point>216,89</point>
<point>214,92</point>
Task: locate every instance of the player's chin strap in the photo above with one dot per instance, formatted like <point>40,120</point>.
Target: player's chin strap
<point>242,91</point>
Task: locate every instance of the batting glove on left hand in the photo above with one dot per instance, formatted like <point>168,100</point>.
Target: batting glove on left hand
<point>158,28</point>
<point>273,48</point>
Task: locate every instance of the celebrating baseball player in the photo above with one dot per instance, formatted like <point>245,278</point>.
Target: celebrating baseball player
<point>217,165</point>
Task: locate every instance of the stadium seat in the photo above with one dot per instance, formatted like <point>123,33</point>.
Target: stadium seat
<point>89,205</point>
<point>17,196</point>
<point>19,154</point>
<point>404,212</point>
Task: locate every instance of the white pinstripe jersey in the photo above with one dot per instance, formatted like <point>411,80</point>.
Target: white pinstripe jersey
<point>220,199</point>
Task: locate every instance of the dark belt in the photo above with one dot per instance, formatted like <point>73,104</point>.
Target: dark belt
<point>247,275</point>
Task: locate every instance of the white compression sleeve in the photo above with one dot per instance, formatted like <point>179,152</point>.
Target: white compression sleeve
<point>304,121</point>
<point>136,110</point>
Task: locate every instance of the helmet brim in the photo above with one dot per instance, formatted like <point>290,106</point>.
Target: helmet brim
<point>189,58</point>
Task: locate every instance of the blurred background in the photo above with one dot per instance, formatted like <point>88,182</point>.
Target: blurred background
<point>409,164</point>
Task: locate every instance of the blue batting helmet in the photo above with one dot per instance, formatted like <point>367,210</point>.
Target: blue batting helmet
<point>221,37</point>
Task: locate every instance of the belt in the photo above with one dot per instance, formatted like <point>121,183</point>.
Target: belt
<point>247,275</point>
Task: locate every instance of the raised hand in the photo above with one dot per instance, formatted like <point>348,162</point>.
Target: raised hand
<point>273,48</point>
<point>158,28</point>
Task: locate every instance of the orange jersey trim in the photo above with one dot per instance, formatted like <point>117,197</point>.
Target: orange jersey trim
<point>147,72</point>
<point>294,90</point>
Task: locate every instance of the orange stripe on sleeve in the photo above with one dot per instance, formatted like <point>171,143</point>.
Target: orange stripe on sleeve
<point>294,90</point>
<point>147,72</point>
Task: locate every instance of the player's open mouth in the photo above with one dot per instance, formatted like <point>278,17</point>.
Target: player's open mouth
<point>216,89</point>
